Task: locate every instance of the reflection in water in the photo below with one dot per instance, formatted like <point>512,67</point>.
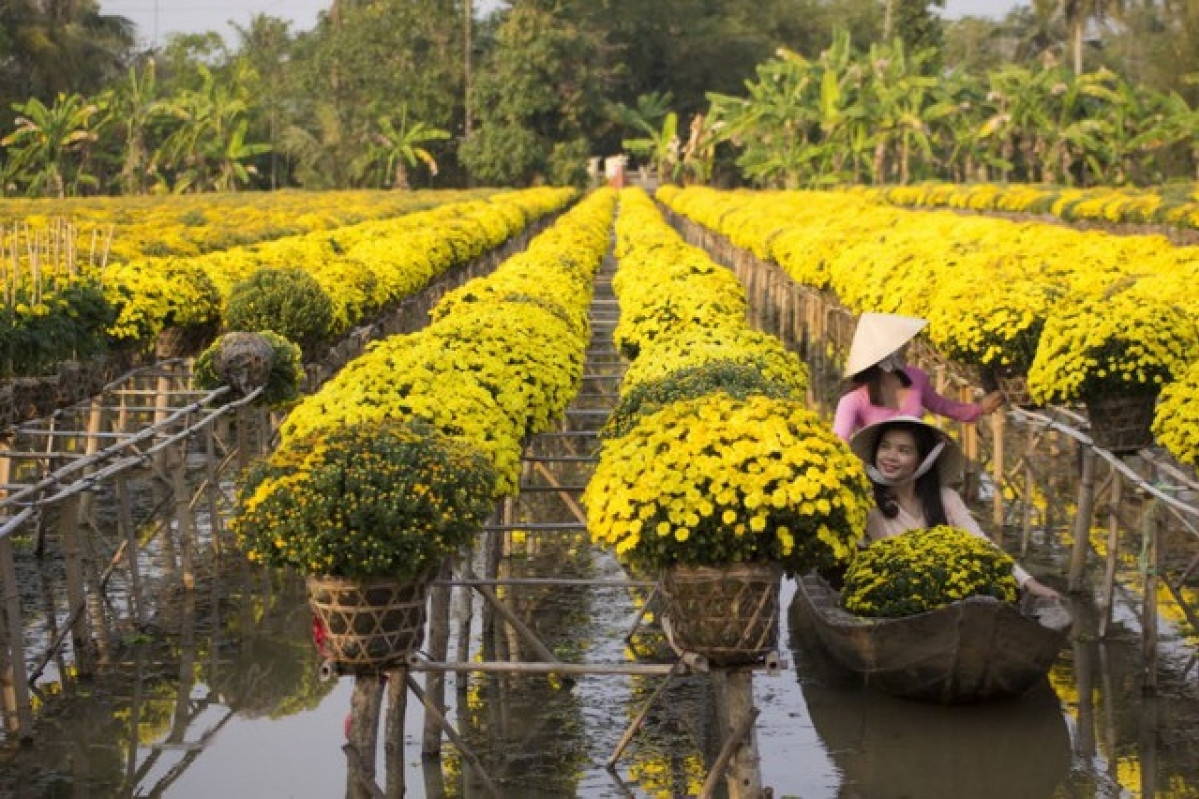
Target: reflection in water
<point>890,747</point>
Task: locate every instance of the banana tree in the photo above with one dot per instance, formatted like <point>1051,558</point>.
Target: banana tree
<point>398,148</point>
<point>661,147</point>
<point>1081,105</point>
<point>132,106</point>
<point>47,149</point>
<point>207,149</point>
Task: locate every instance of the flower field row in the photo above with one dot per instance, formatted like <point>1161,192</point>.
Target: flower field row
<point>501,360</point>
<point>1084,314</point>
<point>1175,206</point>
<point>712,456</point>
<point>59,304</point>
<point>185,225</point>
<point>360,269</point>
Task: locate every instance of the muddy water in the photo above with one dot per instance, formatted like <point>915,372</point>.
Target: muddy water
<point>220,695</point>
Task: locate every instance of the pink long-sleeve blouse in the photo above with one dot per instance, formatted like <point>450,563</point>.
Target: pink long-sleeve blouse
<point>854,410</point>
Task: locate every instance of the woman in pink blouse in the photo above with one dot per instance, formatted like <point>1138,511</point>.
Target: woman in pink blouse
<point>910,463</point>
<point>885,387</point>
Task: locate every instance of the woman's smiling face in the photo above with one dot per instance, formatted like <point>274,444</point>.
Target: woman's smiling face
<point>897,456</point>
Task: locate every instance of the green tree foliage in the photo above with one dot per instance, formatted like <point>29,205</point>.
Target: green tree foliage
<point>48,150</point>
<point>537,98</point>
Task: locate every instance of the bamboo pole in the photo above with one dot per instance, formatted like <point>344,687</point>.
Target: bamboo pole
<point>72,554</point>
<point>363,738</point>
<point>184,524</point>
<point>14,689</point>
<point>393,741</point>
<point>998,432</point>
<point>744,770</point>
<point>1107,601</point>
<point>1082,522</point>
<point>438,646</point>
<point>1150,568</point>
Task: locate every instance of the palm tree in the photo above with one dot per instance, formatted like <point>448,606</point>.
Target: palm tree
<point>44,141</point>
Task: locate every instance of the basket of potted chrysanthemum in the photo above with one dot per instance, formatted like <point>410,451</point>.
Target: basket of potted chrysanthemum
<point>718,497</point>
<point>1113,351</point>
<point>368,512</point>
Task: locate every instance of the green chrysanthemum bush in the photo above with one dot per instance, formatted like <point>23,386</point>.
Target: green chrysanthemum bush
<point>1176,419</point>
<point>923,570</point>
<point>288,301</point>
<point>283,380</point>
<point>715,481</point>
<point>376,500</point>
<point>1122,341</point>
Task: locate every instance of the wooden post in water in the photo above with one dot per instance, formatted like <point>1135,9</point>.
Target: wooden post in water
<point>1082,522</point>
<point>393,742</point>
<point>1113,546</point>
<point>14,689</point>
<point>744,779</point>
<point>365,704</point>
<point>438,646</point>
<point>998,432</point>
<point>1151,524</point>
<point>1029,488</point>
<point>184,523</point>
<point>73,565</point>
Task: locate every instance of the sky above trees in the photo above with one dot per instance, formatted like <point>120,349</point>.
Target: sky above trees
<point>157,19</point>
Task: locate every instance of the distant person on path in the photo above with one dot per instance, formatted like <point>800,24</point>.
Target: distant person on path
<point>910,463</point>
<point>884,386</point>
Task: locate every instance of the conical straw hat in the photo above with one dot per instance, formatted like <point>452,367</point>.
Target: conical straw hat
<point>950,464</point>
<point>877,336</point>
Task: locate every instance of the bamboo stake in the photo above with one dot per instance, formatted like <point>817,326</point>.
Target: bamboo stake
<point>393,740</point>
<point>438,646</point>
<point>1150,568</point>
<point>1082,523</point>
<point>998,431</point>
<point>76,596</point>
<point>363,737</point>
<point>1113,544</point>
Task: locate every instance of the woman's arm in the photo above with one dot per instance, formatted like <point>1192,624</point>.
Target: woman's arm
<point>958,515</point>
<point>845,420</point>
<point>942,406</point>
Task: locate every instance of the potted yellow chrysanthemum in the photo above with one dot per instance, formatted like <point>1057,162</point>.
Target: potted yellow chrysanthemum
<point>727,494</point>
<point>1113,351</point>
<point>368,513</point>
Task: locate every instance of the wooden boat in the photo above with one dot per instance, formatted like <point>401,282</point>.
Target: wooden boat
<point>969,651</point>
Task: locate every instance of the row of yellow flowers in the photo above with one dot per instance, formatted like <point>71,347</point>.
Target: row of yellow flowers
<point>128,227</point>
<point>1084,314</point>
<point>1175,206</point>
<point>722,462</point>
<point>362,268</point>
<point>502,359</point>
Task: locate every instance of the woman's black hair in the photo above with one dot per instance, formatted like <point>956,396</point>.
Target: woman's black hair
<point>928,485</point>
<point>872,376</point>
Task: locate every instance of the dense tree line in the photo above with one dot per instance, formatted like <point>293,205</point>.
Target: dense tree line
<point>780,92</point>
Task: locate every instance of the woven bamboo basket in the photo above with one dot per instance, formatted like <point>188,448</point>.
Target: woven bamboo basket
<point>369,625</point>
<point>730,615</point>
<point>1015,391</point>
<point>1122,423</point>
